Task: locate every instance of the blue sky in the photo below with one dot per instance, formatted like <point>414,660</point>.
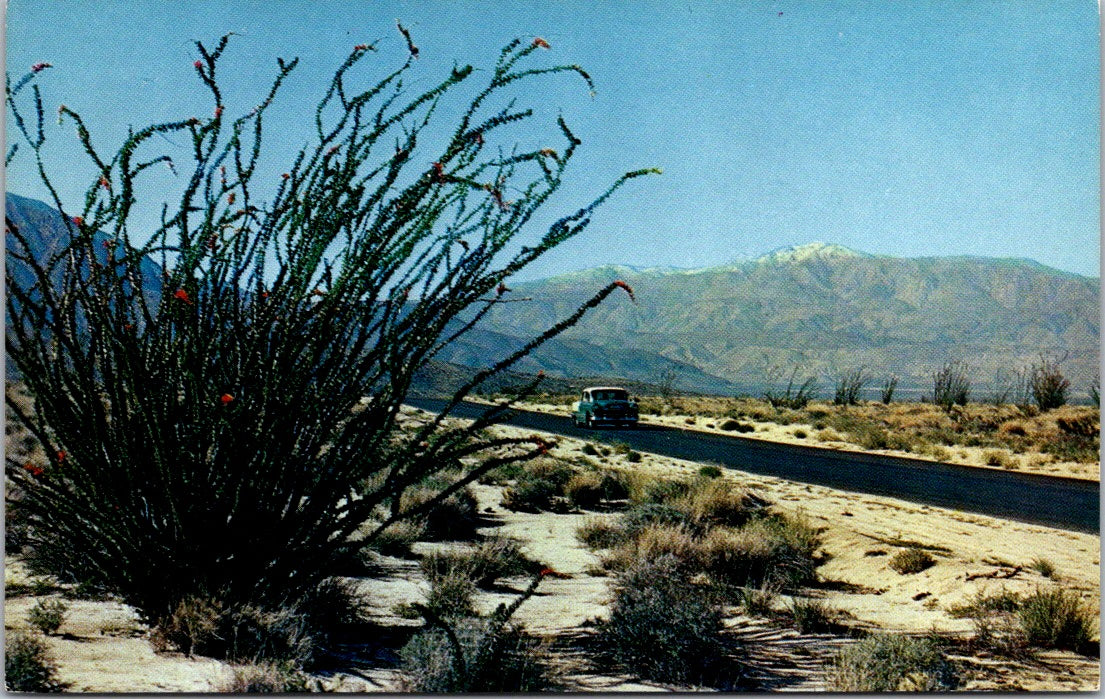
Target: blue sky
<point>906,128</point>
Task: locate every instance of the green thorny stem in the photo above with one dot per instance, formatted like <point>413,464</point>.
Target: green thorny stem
<point>224,421</point>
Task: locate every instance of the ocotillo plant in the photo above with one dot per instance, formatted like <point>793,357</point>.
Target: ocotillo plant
<point>224,435</point>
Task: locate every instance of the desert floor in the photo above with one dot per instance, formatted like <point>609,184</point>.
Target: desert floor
<point>101,647</point>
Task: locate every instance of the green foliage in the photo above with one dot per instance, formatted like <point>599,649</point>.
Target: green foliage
<point>1049,386</point>
<point>709,472</point>
<point>47,615</point>
<point>27,666</point>
<point>911,560</point>
<point>950,385</point>
<point>849,386</point>
<point>663,627</point>
<point>469,653</point>
<point>1057,619</point>
<point>540,486</point>
<point>811,615</point>
<point>1042,566</point>
<point>219,400</point>
<point>891,663</point>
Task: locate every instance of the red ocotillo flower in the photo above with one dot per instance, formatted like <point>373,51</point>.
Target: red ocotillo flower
<point>78,220</point>
<point>105,182</point>
<point>360,47</point>
<point>182,295</point>
<point>61,457</point>
<point>502,289</point>
<point>628,289</point>
<point>198,65</point>
<point>218,111</point>
<point>539,42</point>
<point>439,172</point>
<point>39,67</point>
<point>34,470</point>
<point>226,399</point>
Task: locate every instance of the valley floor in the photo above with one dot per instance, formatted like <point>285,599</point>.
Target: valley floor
<point>103,648</point>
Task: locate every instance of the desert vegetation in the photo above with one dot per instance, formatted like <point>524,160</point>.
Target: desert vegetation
<point>210,409</point>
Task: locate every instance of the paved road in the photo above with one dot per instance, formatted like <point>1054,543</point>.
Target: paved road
<point>1057,502</point>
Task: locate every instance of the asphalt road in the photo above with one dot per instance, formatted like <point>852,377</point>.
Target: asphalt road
<point>1055,502</point>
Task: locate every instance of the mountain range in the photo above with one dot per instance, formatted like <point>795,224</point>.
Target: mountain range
<point>815,310</point>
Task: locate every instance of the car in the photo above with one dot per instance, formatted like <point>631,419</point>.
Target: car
<point>605,405</point>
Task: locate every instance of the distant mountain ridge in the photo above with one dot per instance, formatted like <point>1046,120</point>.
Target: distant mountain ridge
<point>741,327</point>
<point>825,309</point>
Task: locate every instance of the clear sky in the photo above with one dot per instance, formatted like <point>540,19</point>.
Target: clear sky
<point>927,127</point>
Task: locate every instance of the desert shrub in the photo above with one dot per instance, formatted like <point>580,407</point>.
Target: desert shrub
<point>775,551</point>
<point>614,487</point>
<point>266,678</point>
<point>660,490</point>
<point>452,593</point>
<point>198,392</point>
<point>736,426</point>
<point>994,457</point>
<point>758,601</point>
<point>397,539</point>
<point>849,387</point>
<point>540,486</point>
<point>713,502</point>
<point>950,385</point>
<point>493,558</point>
<point>589,449</point>
<point>994,620</point>
<point>1057,619</point>
<point>585,490</point>
<point>811,615</point>
<point>633,457</point>
<point>891,663</point>
<point>1013,427</point>
<point>27,666</point>
<point>637,517</point>
<point>1078,425</point>
<point>477,654</point>
<point>888,390</point>
<point>598,533</point>
<point>47,615</point>
<point>661,626</point>
<point>911,560</point>
<point>1042,566</point>
<point>800,434</point>
<point>656,541</point>
<point>1073,447</point>
<point>1049,386</point>
<point>453,517</point>
<point>710,472</point>
<point>791,398</point>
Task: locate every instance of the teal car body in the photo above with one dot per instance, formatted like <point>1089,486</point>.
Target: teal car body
<point>605,405</point>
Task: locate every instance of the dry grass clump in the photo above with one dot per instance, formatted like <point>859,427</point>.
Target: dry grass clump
<point>717,501</point>
<point>911,560</point>
<point>1057,619</point>
<point>540,486</point>
<point>891,663</point>
<point>27,665</point>
<point>47,615</point>
<point>266,678</point>
<point>493,558</point>
<point>812,615</point>
<point>993,457</point>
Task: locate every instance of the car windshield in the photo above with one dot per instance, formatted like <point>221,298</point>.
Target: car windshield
<point>609,395</point>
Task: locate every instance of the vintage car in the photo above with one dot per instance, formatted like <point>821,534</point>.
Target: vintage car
<point>604,405</point>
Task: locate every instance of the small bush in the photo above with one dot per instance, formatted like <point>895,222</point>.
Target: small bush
<point>1057,619</point>
<point>891,663</point>
<point>47,615</point>
<point>773,551</point>
<point>495,557</point>
<point>654,542</point>
<point>27,666</point>
<point>585,490</point>
<point>1042,566</point>
<point>811,615</point>
<point>715,502</point>
<point>800,434</point>
<point>710,472</point>
<point>849,386</point>
<point>662,627</point>
<point>451,595</point>
<point>1049,386</point>
<point>888,390</point>
<point>267,678</point>
<point>951,385</point>
<point>633,457</point>
<point>507,661</point>
<point>397,539</point>
<point>758,601</point>
<point>589,449</point>
<point>474,654</point>
<point>660,490</point>
<point>1073,447</point>
<point>539,487</point>
<point>911,560</point>
<point>455,517</point>
<point>994,457</point>
<point>736,426</point>
<point>598,533</point>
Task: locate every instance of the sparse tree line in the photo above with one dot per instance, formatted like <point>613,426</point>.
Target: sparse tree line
<point>1040,385</point>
